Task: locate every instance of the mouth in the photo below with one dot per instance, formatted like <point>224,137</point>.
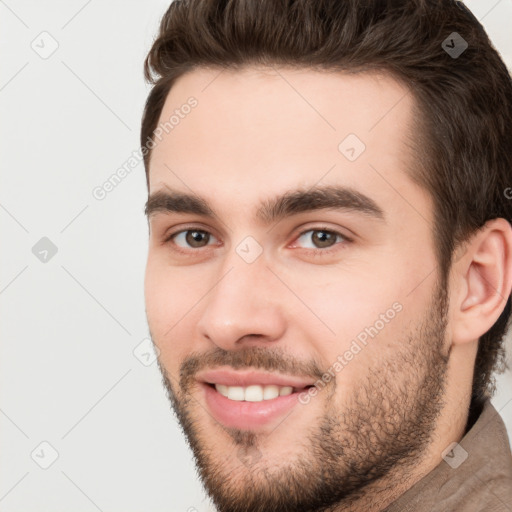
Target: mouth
<point>250,400</point>
<point>255,392</point>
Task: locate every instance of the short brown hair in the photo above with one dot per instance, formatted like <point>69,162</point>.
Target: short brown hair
<point>464,127</point>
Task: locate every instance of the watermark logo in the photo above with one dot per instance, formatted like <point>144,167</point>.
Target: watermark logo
<point>249,249</point>
<point>45,45</point>
<point>44,455</point>
<point>145,352</point>
<point>44,250</point>
<point>454,455</point>
<point>249,455</point>
<point>454,45</point>
<point>351,147</point>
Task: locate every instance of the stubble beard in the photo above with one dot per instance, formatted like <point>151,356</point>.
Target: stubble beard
<point>384,429</point>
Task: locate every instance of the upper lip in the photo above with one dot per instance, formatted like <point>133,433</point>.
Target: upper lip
<point>247,378</point>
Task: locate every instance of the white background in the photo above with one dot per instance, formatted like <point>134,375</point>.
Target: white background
<point>69,326</point>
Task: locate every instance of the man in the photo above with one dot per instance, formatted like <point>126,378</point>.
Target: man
<point>330,257</point>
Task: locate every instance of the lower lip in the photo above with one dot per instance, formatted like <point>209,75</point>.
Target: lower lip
<point>247,415</point>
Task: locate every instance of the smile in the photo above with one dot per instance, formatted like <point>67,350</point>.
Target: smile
<point>254,393</point>
<point>248,400</point>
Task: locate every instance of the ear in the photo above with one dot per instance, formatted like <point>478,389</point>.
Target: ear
<point>482,281</point>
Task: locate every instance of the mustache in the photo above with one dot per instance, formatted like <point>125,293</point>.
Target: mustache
<point>273,359</point>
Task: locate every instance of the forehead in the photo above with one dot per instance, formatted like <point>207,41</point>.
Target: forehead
<point>261,130</point>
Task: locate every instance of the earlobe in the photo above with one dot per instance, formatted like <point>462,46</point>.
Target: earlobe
<point>485,281</point>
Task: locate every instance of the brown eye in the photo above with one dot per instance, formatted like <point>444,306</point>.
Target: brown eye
<point>320,238</point>
<point>191,238</point>
<point>323,238</point>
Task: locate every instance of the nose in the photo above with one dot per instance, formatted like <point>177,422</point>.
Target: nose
<point>245,307</point>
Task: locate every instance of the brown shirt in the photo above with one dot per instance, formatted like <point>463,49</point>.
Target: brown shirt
<point>474,476</point>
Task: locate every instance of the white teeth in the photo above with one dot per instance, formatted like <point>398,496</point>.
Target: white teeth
<point>223,390</point>
<point>235,393</point>
<point>285,390</point>
<point>253,393</point>
<point>270,392</point>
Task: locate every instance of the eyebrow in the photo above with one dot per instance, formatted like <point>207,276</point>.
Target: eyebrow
<point>274,209</point>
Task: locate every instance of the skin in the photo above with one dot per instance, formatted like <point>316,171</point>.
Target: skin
<point>383,421</point>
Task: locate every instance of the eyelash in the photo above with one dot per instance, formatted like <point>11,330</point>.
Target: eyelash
<point>314,252</point>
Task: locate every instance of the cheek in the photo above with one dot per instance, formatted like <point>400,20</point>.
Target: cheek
<point>165,297</point>
<point>171,297</point>
<point>354,311</point>
<point>348,301</point>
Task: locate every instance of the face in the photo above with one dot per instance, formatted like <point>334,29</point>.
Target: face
<point>298,277</point>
